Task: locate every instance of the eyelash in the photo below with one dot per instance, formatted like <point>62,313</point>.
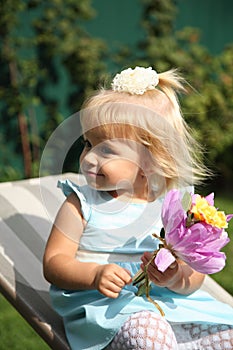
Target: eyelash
<point>104,149</point>
<point>86,143</point>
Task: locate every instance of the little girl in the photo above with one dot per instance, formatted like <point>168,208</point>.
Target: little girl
<point>136,147</point>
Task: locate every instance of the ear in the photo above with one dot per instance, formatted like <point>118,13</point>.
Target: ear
<point>146,169</point>
<point>142,173</point>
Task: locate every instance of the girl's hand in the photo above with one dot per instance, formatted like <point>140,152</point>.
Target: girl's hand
<point>110,279</point>
<point>167,278</point>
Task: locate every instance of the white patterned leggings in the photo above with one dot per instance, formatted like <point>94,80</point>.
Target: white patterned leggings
<point>147,330</point>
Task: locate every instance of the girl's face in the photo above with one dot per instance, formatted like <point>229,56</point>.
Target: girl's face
<point>111,165</point>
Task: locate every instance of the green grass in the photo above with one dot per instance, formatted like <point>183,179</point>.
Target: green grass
<point>224,277</point>
<point>16,334</point>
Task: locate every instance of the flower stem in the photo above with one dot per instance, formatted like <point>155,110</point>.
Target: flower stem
<point>147,283</point>
<point>142,278</point>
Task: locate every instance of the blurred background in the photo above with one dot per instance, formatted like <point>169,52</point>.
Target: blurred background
<point>54,53</point>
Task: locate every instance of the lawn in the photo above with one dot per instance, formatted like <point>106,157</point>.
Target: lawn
<point>225,277</point>
<point>16,334</point>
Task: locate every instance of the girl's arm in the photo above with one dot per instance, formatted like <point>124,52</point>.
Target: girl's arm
<point>61,267</point>
<point>179,277</point>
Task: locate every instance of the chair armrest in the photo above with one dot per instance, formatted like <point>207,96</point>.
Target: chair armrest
<point>25,224</point>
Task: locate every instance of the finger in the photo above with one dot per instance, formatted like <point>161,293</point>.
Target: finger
<point>129,277</point>
<point>120,278</point>
<point>110,289</point>
<point>147,255</point>
<point>113,287</point>
<point>145,259</point>
<point>173,265</point>
<point>109,293</point>
<point>155,273</point>
<point>117,282</point>
<point>124,275</point>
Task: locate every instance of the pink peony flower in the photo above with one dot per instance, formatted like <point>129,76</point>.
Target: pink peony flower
<point>194,231</point>
<point>189,234</point>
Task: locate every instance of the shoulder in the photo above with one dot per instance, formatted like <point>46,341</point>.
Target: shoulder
<point>81,197</point>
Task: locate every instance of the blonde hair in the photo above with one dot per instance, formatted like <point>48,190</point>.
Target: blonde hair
<point>153,119</point>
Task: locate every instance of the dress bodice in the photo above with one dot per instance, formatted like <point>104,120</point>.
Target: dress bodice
<point>113,225</point>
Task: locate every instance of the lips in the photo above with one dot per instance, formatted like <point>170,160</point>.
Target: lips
<point>91,173</point>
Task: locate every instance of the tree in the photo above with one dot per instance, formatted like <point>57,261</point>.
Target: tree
<point>64,47</point>
<point>208,108</point>
<point>17,87</point>
<point>46,70</point>
<point>67,53</point>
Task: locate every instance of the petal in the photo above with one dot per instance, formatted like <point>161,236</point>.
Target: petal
<point>172,211</point>
<point>191,239</point>
<point>164,259</point>
<point>201,237</point>
<point>210,198</point>
<point>175,237</point>
<point>217,244</point>
<point>194,198</point>
<point>209,264</point>
<point>229,217</point>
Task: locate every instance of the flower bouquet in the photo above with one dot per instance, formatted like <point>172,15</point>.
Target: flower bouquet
<point>193,231</point>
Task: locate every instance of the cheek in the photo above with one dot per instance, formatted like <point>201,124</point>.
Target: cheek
<point>128,169</point>
<point>85,159</point>
<point>108,167</point>
<point>82,157</point>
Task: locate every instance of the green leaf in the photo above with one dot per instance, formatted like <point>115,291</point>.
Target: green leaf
<point>143,288</point>
<point>186,201</point>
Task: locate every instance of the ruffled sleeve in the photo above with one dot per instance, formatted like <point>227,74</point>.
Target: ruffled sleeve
<point>69,187</point>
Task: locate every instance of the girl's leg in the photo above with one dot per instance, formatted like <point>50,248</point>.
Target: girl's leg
<point>193,336</point>
<point>144,330</point>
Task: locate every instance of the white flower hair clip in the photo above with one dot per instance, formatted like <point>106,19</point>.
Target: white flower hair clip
<point>135,81</point>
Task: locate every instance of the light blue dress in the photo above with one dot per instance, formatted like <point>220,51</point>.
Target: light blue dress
<point>120,232</point>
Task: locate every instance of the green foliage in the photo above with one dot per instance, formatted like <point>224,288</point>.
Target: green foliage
<point>224,277</point>
<point>208,106</point>
<point>48,66</point>
<point>17,85</point>
<point>63,44</point>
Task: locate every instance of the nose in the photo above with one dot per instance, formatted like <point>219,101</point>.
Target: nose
<point>88,158</point>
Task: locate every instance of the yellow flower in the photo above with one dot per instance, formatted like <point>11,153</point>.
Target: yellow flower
<point>203,211</point>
